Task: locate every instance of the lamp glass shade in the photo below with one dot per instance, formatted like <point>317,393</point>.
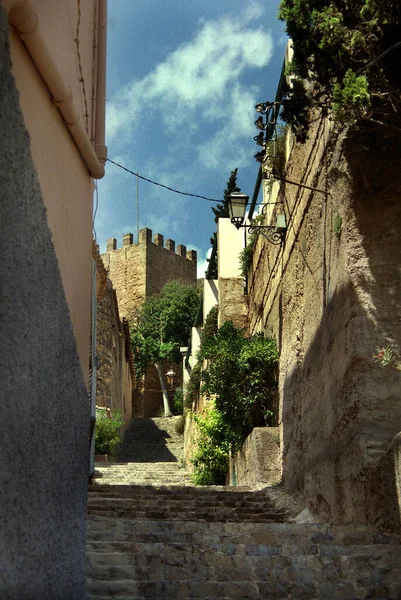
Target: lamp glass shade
<point>170,376</point>
<point>236,206</point>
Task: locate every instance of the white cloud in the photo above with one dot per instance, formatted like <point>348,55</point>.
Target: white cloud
<point>192,113</point>
<point>200,80</point>
<point>253,11</point>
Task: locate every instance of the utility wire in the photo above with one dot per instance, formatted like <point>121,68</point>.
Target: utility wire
<point>205,197</point>
<point>161,184</point>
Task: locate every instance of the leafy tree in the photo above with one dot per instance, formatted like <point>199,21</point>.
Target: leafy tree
<point>221,211</point>
<point>163,325</point>
<point>241,376</point>
<point>347,57</point>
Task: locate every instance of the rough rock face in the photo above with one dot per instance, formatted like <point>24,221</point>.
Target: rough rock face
<point>332,296</point>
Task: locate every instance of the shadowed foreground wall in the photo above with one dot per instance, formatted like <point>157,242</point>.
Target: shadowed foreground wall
<point>44,424</point>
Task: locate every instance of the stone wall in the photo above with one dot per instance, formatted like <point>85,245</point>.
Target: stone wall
<point>231,299</point>
<point>331,296</point>
<point>115,374</point>
<point>138,271</point>
<point>232,305</point>
<point>45,416</point>
<point>126,268</point>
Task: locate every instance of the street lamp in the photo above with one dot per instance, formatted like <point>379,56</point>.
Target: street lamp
<point>171,375</point>
<point>275,234</point>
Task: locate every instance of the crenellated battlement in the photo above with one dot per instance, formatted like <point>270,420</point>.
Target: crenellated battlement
<point>139,270</point>
<point>145,238</point>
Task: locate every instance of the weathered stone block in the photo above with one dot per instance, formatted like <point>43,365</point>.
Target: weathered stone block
<point>128,239</point>
<point>111,245</point>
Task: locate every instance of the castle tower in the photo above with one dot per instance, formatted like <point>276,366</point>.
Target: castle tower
<point>138,271</point>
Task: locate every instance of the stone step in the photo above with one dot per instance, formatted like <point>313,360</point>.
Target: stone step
<point>171,540</point>
<point>162,473</point>
<point>157,438</point>
<point>183,503</point>
<point>211,491</point>
<point>121,530</point>
<point>233,516</point>
<point>155,559</point>
<point>173,509</point>
<point>319,582</point>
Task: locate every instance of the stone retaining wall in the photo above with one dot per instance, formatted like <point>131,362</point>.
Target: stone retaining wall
<point>258,462</point>
<point>331,297</point>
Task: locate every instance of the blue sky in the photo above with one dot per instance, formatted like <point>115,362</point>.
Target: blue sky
<point>182,82</point>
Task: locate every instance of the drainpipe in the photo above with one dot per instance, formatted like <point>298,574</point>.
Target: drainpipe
<point>93,372</point>
<point>100,126</point>
<point>22,15</point>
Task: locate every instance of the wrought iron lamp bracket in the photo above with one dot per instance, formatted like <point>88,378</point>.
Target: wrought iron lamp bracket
<point>269,232</point>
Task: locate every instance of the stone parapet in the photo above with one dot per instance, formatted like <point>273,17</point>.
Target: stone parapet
<point>145,237</point>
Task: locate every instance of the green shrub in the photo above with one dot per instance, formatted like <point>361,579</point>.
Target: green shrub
<point>246,255</point>
<point>351,99</point>
<point>193,387</point>
<point>107,432</point>
<point>347,54</point>
<point>178,401</point>
<point>241,376</point>
<point>210,464</point>
<point>210,459</point>
<point>208,332</point>
<point>239,382</point>
<point>337,225</point>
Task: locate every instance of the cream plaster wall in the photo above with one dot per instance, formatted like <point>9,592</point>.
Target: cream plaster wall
<point>67,187</point>
<point>210,295</point>
<point>230,244</point>
<point>195,345</point>
<point>58,21</point>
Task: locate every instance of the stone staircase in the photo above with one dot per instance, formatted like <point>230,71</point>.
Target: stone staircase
<point>151,453</point>
<point>166,541</point>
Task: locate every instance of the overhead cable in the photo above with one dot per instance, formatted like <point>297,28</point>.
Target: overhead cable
<point>162,185</point>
